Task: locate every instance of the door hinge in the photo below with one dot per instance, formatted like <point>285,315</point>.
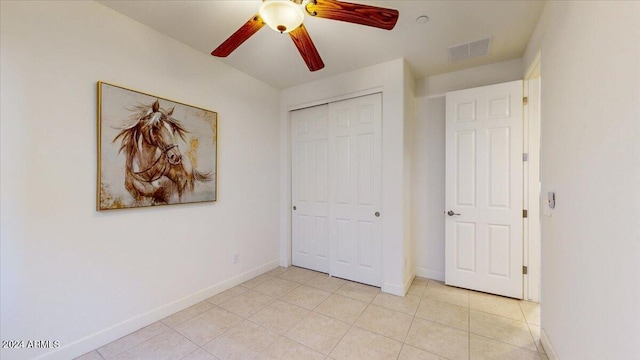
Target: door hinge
<point>525,213</point>
<point>525,100</point>
<point>525,157</point>
<point>525,271</point>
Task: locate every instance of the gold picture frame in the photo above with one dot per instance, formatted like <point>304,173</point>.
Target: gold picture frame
<point>153,151</point>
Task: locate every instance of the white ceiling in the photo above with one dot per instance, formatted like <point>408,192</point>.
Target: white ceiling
<point>274,59</point>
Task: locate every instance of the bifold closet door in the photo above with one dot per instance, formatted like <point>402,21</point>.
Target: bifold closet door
<point>337,188</point>
<point>355,165</point>
<point>310,188</point>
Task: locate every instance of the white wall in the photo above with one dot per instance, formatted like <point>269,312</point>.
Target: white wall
<point>408,141</point>
<point>387,78</point>
<point>428,187</point>
<point>428,176</point>
<point>83,277</point>
<point>590,156</point>
<point>491,74</point>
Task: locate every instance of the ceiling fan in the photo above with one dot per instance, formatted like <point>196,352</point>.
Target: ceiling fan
<point>286,16</point>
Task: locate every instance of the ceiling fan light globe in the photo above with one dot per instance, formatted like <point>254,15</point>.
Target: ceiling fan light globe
<point>281,15</point>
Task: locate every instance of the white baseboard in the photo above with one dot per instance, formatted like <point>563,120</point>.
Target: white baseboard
<point>398,289</point>
<point>394,289</point>
<point>430,274</point>
<point>407,284</point>
<point>126,327</point>
<point>548,348</point>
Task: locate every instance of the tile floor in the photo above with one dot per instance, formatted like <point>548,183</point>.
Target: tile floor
<point>294,313</point>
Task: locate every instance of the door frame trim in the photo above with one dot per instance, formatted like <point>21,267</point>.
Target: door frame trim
<point>532,201</point>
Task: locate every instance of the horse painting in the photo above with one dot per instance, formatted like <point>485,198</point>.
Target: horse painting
<point>156,172</point>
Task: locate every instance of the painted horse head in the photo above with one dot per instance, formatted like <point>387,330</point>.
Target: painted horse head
<point>154,163</point>
<point>159,130</point>
<point>151,138</point>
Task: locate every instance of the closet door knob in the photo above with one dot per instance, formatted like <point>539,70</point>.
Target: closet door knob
<point>377,214</point>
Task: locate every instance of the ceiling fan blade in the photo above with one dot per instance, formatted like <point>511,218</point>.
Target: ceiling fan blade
<point>382,18</point>
<point>307,49</point>
<point>241,35</point>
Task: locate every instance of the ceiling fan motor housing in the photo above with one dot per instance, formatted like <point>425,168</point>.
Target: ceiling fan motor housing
<point>281,15</point>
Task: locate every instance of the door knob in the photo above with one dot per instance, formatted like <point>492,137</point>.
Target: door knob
<point>377,214</point>
<point>451,213</point>
<point>295,208</point>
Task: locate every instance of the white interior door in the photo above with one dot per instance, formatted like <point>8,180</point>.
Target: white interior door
<point>310,190</point>
<point>484,189</point>
<point>337,189</point>
<point>355,143</point>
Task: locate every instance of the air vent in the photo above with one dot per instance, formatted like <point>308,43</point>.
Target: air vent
<point>469,50</point>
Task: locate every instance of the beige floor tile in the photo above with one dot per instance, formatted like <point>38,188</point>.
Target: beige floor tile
<point>535,332</point>
<point>325,282</point>
<point>444,313</point>
<point>276,287</point>
<point>341,308</point>
<point>417,289</point>
<point>362,344</point>
<point>250,284</point>
<point>279,316</point>
<point>437,283</point>
<point>167,346</point>
<point>358,291</point>
<point>247,303</point>
<point>420,281</point>
<point>418,286</point>
<point>188,313</point>
<point>285,349</point>
<point>502,329</point>
<point>438,291</point>
<point>127,342</point>
<point>277,271</point>
<point>531,312</point>
<point>439,339</point>
<point>409,352</point>
<point>318,332</point>
<point>200,355</point>
<point>297,274</point>
<point>93,355</point>
<point>244,341</point>
<point>496,305</point>
<point>226,295</point>
<point>207,326</point>
<point>312,317</point>
<point>406,304</point>
<point>306,297</point>
<point>390,323</point>
<point>486,349</point>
